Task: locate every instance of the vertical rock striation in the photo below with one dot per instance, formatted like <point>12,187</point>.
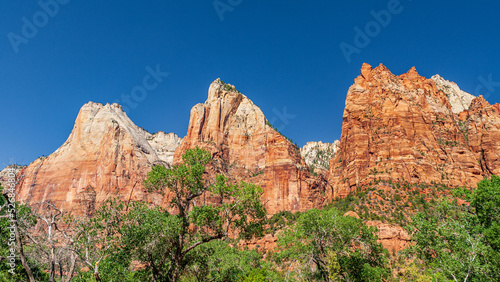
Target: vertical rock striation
<point>246,147</point>
<point>404,128</point>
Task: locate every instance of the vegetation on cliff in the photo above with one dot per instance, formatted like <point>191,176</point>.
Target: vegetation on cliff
<point>454,235</point>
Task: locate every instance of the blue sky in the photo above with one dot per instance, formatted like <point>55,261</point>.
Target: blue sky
<point>281,54</point>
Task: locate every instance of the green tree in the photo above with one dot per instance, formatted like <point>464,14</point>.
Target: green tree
<point>449,245</point>
<point>460,242</point>
<point>486,204</point>
<point>324,245</point>
<point>166,242</point>
<point>96,238</point>
<point>219,260</point>
<point>16,219</point>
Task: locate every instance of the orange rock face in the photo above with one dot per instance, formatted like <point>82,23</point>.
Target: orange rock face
<point>392,237</point>
<point>105,156</point>
<point>482,122</point>
<point>246,147</point>
<point>403,128</point>
<point>265,244</point>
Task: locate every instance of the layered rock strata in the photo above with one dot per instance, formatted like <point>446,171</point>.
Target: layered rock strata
<point>404,128</point>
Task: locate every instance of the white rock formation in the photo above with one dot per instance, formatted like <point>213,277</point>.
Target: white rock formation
<point>164,144</point>
<point>159,146</point>
<point>459,100</point>
<point>93,123</point>
<point>319,154</point>
<point>106,155</point>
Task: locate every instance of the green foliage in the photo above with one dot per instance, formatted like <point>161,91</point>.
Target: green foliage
<point>256,275</point>
<point>460,242</point>
<point>25,220</point>
<point>450,243</point>
<point>462,193</point>
<point>229,87</point>
<point>281,219</point>
<point>219,261</point>
<point>324,245</point>
<point>345,204</point>
<point>96,239</point>
<point>416,272</point>
<point>148,234</point>
<point>186,179</point>
<point>169,243</point>
<point>486,201</point>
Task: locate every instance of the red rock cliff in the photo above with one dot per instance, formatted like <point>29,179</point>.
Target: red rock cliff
<point>403,128</point>
<point>236,132</point>
<point>105,156</point>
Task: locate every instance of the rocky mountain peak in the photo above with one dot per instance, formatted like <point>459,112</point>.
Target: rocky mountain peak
<point>406,127</point>
<point>395,127</point>
<point>459,100</point>
<point>164,145</point>
<point>366,71</point>
<point>382,68</point>
<point>319,154</point>
<point>106,155</point>
<point>95,121</point>
<point>219,88</point>
<point>234,130</point>
<point>412,73</point>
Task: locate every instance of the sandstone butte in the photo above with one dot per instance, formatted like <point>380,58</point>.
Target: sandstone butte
<point>400,128</point>
<point>105,156</point>
<point>246,147</point>
<point>404,128</point>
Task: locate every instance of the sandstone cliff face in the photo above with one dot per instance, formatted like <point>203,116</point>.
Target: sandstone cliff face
<point>246,147</point>
<point>319,154</point>
<point>392,237</point>
<point>481,125</point>
<point>106,155</point>
<point>403,128</point>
